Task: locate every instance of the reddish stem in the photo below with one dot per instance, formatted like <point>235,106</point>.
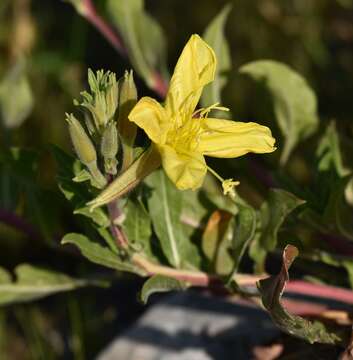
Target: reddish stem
<point>322,291</point>
<point>20,224</point>
<point>115,213</point>
<point>339,244</point>
<point>160,86</point>
<point>98,22</point>
<point>90,14</point>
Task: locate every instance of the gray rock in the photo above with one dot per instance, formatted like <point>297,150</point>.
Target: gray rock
<point>191,326</point>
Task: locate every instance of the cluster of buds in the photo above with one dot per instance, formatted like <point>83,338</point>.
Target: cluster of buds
<point>106,134</point>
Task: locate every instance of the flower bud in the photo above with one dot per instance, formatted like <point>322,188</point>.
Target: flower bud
<point>109,148</point>
<point>84,149</point>
<point>80,140</point>
<point>102,101</point>
<point>148,161</point>
<point>128,95</point>
<point>127,129</point>
<point>111,96</point>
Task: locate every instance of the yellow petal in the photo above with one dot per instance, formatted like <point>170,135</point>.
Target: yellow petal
<point>186,170</point>
<point>195,68</point>
<point>228,139</point>
<point>149,115</point>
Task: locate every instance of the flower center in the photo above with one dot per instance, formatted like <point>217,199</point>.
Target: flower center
<point>183,136</point>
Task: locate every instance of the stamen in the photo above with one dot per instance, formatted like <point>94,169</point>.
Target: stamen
<point>203,112</point>
<point>228,185</point>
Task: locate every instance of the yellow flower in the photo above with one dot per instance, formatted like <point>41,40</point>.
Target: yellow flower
<point>184,136</point>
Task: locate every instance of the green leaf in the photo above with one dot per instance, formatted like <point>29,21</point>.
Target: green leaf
<point>137,227</point>
<point>217,242</point>
<point>214,36</point>
<point>16,100</point>
<point>147,49</point>
<point>295,103</point>
<point>329,152</point>
<point>273,213</point>
<point>338,214</point>
<point>99,254</point>
<point>246,222</point>
<point>165,208</point>
<point>70,173</point>
<point>271,290</point>
<point>158,284</point>
<point>35,282</point>
<point>334,260</point>
<point>194,209</point>
<point>98,215</point>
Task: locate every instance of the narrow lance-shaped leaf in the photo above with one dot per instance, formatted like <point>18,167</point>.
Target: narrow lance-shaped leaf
<point>33,282</point>
<point>294,102</point>
<point>98,253</point>
<point>271,290</point>
<point>165,208</point>
<point>214,36</point>
<point>158,284</point>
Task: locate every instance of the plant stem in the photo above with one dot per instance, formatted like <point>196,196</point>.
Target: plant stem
<point>201,279</point>
<point>115,213</point>
<point>18,223</point>
<point>90,14</point>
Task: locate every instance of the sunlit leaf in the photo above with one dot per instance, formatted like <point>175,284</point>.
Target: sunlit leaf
<point>295,104</point>
<point>33,282</point>
<point>165,208</point>
<point>158,284</point>
<point>98,253</point>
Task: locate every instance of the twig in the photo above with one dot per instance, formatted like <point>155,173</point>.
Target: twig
<point>114,214</point>
<point>201,279</point>
<point>89,12</point>
<point>18,223</point>
<point>322,291</point>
